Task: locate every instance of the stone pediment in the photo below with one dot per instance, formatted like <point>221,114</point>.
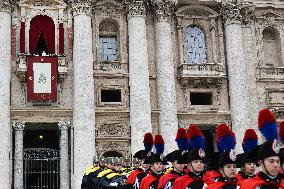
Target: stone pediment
<point>196,11</point>
<point>108,6</point>
<point>43,3</point>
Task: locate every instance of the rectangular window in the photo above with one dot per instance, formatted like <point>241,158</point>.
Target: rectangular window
<point>108,48</point>
<point>111,95</point>
<point>201,98</point>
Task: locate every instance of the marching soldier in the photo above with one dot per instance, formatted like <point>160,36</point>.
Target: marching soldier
<point>226,142</point>
<point>248,160</point>
<point>135,177</point>
<point>151,181</point>
<point>268,155</point>
<point>167,180</point>
<point>195,160</point>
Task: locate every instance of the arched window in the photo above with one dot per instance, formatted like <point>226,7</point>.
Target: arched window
<point>108,41</point>
<point>271,47</point>
<point>195,51</point>
<point>42,35</point>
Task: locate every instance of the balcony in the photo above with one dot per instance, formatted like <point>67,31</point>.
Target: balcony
<point>110,68</point>
<point>198,75</point>
<point>22,67</point>
<point>270,74</point>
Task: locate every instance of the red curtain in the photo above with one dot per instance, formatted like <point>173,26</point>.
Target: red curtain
<point>42,24</point>
<point>61,39</point>
<point>22,38</point>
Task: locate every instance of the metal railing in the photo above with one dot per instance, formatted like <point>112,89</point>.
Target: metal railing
<point>41,169</point>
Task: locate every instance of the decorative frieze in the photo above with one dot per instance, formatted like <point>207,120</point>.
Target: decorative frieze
<point>235,11</point>
<point>113,130</point>
<point>135,7</point>
<point>6,6</point>
<point>270,74</point>
<point>82,8</point>
<point>163,9</point>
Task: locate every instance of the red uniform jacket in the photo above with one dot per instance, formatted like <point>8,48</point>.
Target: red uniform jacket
<point>149,180</point>
<point>241,177</point>
<point>171,176</point>
<point>210,176</point>
<point>222,182</point>
<point>132,177</point>
<point>184,181</point>
<point>260,179</point>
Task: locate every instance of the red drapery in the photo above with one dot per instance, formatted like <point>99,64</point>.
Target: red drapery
<point>43,24</point>
<point>61,38</point>
<point>22,38</point>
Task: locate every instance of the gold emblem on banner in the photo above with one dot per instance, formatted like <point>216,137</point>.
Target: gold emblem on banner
<point>52,77</point>
<point>31,78</point>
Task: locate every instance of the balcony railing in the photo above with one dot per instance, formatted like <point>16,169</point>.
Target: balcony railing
<point>270,74</point>
<point>110,67</point>
<point>202,70</point>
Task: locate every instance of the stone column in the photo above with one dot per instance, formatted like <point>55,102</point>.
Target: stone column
<point>83,91</point>
<point>239,82</point>
<point>166,89</point>
<point>64,160</point>
<point>5,79</point>
<point>140,107</point>
<point>19,156</point>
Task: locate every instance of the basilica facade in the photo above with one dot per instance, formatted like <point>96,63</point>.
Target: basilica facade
<point>90,77</point>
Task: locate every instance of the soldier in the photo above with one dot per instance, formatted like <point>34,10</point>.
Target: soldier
<point>248,160</point>
<point>268,155</point>
<point>115,178</point>
<point>167,180</point>
<point>195,160</point>
<point>151,181</point>
<point>135,177</point>
<point>87,178</point>
<point>226,142</point>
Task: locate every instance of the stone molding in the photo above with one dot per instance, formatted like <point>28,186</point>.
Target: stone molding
<point>135,7</point>
<point>163,9</point>
<point>82,8</point>
<point>236,12</point>
<point>6,6</point>
<point>64,125</point>
<point>18,126</point>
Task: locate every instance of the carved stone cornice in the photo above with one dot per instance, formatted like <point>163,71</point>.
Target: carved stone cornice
<point>163,9</point>
<point>64,125</point>
<point>6,6</point>
<point>82,8</point>
<point>135,7</point>
<point>236,12</point>
<point>18,126</point>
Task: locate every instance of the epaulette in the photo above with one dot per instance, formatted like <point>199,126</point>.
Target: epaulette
<point>91,169</point>
<point>111,175</point>
<point>104,172</point>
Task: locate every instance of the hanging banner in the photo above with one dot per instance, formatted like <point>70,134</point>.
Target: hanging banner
<point>42,79</point>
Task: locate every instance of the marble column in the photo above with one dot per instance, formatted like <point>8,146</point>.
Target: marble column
<point>5,79</point>
<point>64,160</point>
<point>166,89</point>
<point>140,107</point>
<point>83,91</point>
<point>239,82</point>
<point>19,156</point>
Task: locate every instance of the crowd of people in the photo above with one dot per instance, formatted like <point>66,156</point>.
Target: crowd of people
<point>260,166</point>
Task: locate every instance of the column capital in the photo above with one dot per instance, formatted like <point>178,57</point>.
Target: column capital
<point>18,126</point>
<point>64,125</point>
<point>135,7</point>
<point>81,8</point>
<point>6,6</point>
<point>163,9</point>
<point>237,12</point>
